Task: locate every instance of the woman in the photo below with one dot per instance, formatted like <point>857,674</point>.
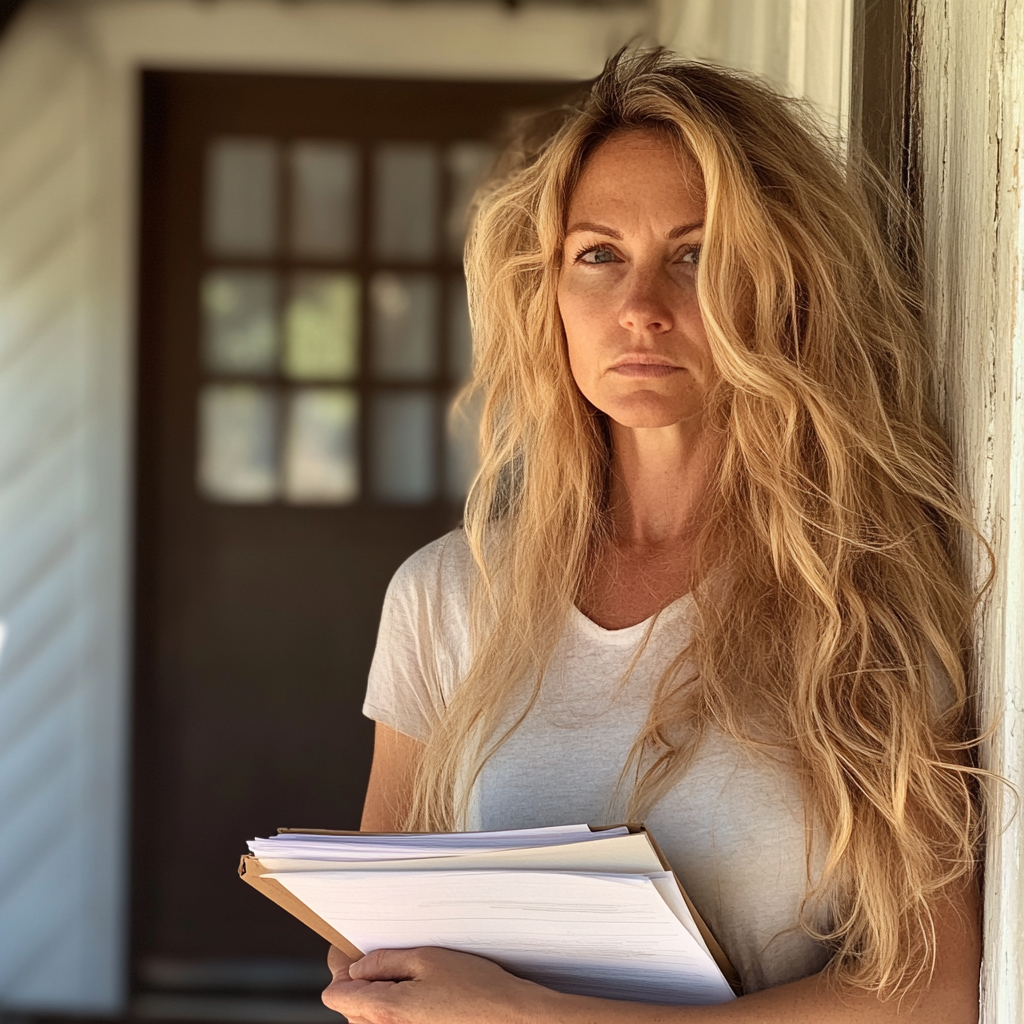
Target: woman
<point>707,577</point>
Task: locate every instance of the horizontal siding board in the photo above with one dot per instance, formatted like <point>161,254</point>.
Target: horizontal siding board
<point>31,825</point>
<point>40,687</point>
<point>42,147</point>
<point>44,897</point>
<point>40,301</point>
<point>61,711</point>
<point>36,60</point>
<point>32,405</point>
<point>37,227</point>
<point>27,757</point>
<point>41,983</point>
<point>46,147</point>
<point>35,548</point>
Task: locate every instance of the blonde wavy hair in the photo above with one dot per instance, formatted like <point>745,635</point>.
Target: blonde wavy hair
<point>828,600</point>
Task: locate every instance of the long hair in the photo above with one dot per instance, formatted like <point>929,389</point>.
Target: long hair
<point>831,618</point>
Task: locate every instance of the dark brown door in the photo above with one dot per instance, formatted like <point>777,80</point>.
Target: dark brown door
<point>302,330</point>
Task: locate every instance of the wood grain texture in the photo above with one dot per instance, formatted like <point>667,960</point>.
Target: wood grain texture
<point>971,67</point>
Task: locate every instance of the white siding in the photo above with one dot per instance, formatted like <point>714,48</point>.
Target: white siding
<point>61,764</point>
<point>972,109</point>
<point>804,47</point>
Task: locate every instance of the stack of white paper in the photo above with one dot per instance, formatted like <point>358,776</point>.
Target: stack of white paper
<point>397,846</point>
<point>594,913</point>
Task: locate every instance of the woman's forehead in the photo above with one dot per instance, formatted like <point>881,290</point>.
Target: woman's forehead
<point>634,166</point>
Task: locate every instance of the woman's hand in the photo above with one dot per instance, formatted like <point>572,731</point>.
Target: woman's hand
<point>438,986</point>
<point>430,986</point>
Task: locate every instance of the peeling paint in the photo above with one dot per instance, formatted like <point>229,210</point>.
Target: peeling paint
<point>971,105</point>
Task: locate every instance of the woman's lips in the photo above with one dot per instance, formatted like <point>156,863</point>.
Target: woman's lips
<point>639,369</point>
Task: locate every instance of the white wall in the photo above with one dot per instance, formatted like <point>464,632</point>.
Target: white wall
<point>972,121</point>
<point>804,47</point>
<point>62,543</point>
<point>68,109</point>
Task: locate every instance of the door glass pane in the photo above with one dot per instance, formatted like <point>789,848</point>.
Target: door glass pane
<point>325,176</point>
<point>402,446</point>
<point>237,443</point>
<point>322,327</point>
<point>241,197</point>
<point>239,331</point>
<point>404,318</point>
<point>461,437</point>
<point>468,164</point>
<point>460,334</point>
<point>405,202</point>
<point>321,454</point>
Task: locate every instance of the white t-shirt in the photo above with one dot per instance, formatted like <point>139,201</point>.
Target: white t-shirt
<point>733,828</point>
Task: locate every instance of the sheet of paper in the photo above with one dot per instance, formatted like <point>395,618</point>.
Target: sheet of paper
<point>592,934</point>
<point>668,888</point>
<point>401,845</point>
<point>629,854</point>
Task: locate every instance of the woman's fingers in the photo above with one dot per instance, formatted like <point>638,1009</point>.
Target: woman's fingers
<point>429,985</point>
<point>338,961</point>
<point>361,1002</point>
<point>342,991</point>
<point>391,965</point>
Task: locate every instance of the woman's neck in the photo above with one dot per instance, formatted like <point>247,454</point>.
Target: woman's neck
<point>659,478</point>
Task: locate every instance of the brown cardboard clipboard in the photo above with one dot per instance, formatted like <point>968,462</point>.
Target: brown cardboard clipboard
<point>251,871</point>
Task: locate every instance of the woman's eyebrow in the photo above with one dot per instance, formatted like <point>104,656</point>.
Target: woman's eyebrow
<point>598,229</point>
<point>603,229</point>
<point>685,229</point>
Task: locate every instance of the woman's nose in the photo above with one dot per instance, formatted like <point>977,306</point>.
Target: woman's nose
<point>647,307</point>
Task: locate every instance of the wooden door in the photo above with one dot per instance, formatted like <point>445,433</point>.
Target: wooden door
<point>302,329</point>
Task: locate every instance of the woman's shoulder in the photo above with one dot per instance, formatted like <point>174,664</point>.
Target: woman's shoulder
<point>439,571</point>
<point>423,640</point>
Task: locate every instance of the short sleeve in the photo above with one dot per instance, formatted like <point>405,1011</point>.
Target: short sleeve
<point>418,656</point>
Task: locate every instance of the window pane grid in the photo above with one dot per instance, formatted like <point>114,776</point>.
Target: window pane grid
<point>351,321</point>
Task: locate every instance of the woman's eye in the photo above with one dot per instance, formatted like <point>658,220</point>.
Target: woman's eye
<point>691,257</point>
<point>599,254</point>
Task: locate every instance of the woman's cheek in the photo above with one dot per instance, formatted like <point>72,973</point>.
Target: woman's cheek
<point>587,305</point>
<point>581,367</point>
<point>580,325</point>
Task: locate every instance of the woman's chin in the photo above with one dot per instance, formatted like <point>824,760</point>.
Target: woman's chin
<point>649,415</point>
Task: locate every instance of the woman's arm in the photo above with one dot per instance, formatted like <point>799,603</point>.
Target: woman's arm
<point>439,986</point>
<point>389,792</point>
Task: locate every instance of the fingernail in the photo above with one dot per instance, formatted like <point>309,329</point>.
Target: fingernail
<point>352,966</point>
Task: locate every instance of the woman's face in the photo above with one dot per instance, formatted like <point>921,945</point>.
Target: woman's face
<point>627,290</point>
